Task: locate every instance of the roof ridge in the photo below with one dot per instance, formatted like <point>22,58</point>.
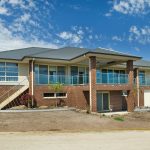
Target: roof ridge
<point>40,52</point>
<point>22,49</point>
<point>112,50</point>
<point>44,51</point>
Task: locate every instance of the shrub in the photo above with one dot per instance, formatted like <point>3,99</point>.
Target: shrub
<point>121,119</point>
<point>56,87</point>
<point>26,100</point>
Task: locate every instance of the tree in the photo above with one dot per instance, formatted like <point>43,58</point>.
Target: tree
<point>58,87</point>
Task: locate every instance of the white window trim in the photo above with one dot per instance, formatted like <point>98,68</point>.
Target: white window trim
<point>55,96</point>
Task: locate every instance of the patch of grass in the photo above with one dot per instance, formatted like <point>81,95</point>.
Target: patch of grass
<point>121,119</point>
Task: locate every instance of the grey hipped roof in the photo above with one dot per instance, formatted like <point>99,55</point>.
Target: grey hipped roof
<point>142,63</point>
<point>66,53</point>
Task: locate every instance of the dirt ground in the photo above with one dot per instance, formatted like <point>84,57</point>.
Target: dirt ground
<point>124,140</point>
<point>71,121</point>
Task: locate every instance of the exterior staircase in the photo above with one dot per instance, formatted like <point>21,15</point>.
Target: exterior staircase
<point>13,93</point>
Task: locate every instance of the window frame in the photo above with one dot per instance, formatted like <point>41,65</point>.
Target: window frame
<point>13,78</point>
<point>55,97</point>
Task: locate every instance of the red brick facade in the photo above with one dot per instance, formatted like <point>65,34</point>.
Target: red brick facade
<point>77,96</point>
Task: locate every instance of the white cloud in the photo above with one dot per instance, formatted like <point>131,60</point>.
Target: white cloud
<point>8,41</point>
<point>131,7</point>
<point>141,35</point>
<point>73,37</point>
<point>108,14</point>
<point>25,17</point>
<point>137,49</point>
<point>3,11</point>
<point>90,37</point>
<point>116,38</point>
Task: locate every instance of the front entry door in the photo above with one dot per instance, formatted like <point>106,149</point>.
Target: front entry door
<point>102,101</point>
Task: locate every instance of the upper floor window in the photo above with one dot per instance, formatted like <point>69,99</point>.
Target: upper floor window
<point>45,74</point>
<point>8,71</point>
<point>142,77</point>
<point>79,75</point>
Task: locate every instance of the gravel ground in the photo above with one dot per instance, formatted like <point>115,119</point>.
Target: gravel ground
<point>124,140</point>
<point>70,121</point>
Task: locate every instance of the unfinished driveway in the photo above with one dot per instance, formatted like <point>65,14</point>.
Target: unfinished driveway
<point>69,121</point>
<point>125,140</point>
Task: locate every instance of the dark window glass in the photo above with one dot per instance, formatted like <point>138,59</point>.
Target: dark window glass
<point>11,73</point>
<point>61,74</point>
<point>60,94</point>
<point>11,64</point>
<point>122,76</point>
<point>110,76</point>
<point>2,73</point>
<point>36,69</point>
<point>10,70</point>
<point>142,77</point>
<point>48,94</point>
<point>116,76</point>
<point>98,76</point>
<point>74,70</point>
<point>43,74</point>
<point>74,74</point>
<point>2,64</point>
<point>104,76</point>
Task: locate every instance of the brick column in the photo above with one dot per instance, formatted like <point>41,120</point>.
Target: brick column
<point>130,98</point>
<point>130,72</point>
<point>31,78</point>
<point>137,86</point>
<point>92,83</point>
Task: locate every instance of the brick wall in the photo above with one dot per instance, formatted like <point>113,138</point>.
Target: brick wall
<point>77,96</point>
<point>117,101</point>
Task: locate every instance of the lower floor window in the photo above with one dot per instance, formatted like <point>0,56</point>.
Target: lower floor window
<point>55,95</point>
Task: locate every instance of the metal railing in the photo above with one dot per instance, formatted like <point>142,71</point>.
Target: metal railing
<point>62,79</point>
<point>112,78</point>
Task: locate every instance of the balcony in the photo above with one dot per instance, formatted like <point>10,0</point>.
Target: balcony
<point>62,79</point>
<point>112,78</point>
<point>103,78</point>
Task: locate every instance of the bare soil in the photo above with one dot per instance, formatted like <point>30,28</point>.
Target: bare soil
<point>70,121</point>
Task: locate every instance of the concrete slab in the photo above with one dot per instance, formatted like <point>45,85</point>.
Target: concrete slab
<point>115,113</point>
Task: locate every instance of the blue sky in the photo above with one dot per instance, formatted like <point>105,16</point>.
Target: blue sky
<point>121,25</point>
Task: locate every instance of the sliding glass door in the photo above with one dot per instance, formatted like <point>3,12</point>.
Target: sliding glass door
<point>102,101</point>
